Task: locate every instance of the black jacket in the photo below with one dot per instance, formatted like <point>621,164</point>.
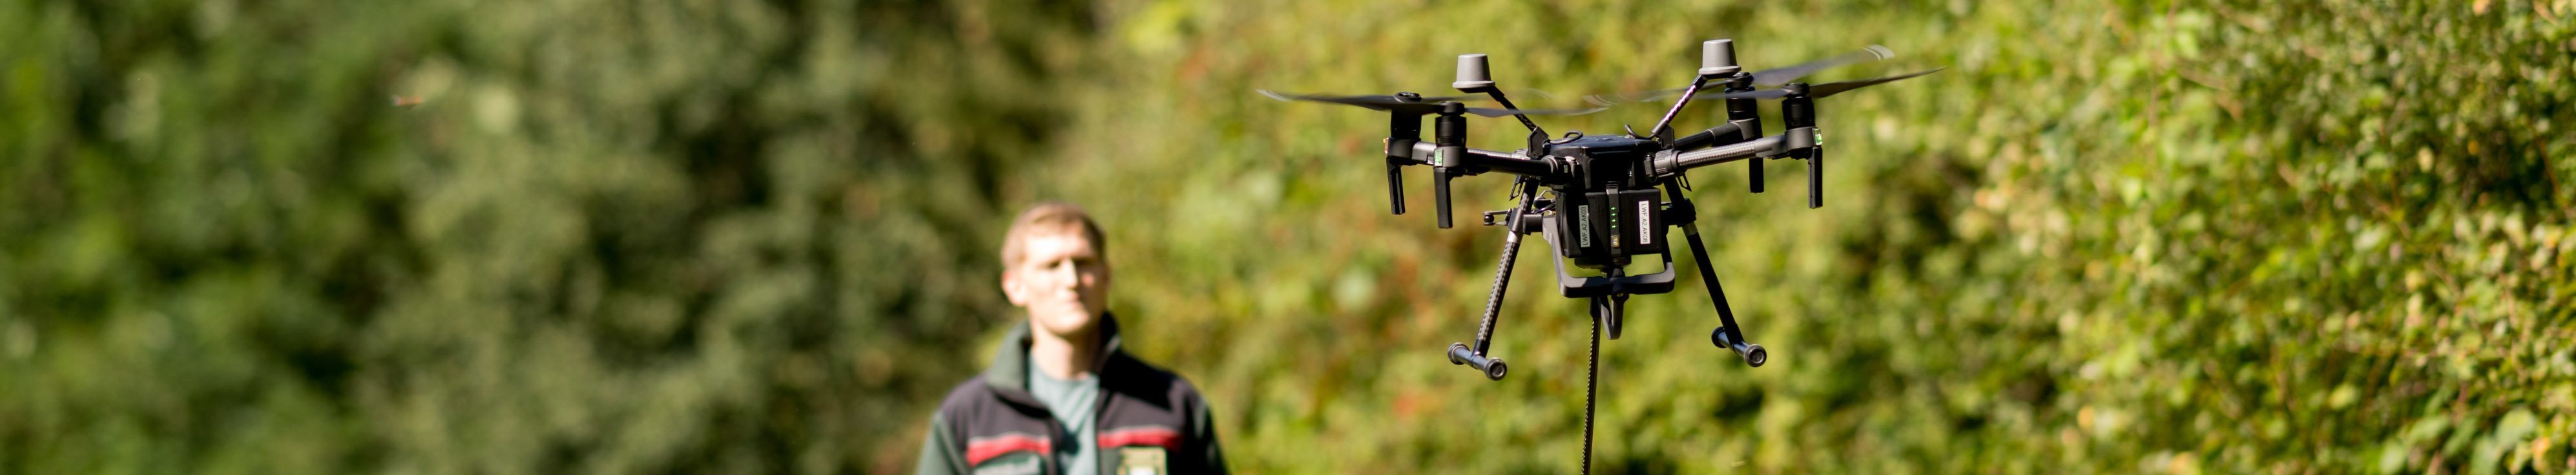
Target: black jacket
<point>1148,419</point>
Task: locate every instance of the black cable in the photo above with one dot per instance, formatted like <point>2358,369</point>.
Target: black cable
<point>1591,372</point>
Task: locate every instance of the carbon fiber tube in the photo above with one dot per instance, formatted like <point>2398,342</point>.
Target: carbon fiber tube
<point>1706,137</point>
<point>1494,299</point>
<point>1729,152</point>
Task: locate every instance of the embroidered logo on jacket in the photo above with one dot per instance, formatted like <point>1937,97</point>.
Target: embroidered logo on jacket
<point>1142,450</point>
<point>1141,461</point>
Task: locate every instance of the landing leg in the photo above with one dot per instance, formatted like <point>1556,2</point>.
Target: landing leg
<point>1728,334</point>
<point>1460,353</point>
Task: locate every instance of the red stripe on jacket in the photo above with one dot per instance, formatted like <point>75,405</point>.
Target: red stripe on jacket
<point>1157,436</point>
<point>977,451</point>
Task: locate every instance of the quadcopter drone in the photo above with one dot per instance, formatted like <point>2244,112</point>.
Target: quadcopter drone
<point>1596,198</point>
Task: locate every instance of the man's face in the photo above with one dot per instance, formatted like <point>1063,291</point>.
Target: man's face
<point>1062,282</point>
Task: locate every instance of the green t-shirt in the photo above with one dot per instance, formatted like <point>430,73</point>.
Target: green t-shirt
<point>1072,402</point>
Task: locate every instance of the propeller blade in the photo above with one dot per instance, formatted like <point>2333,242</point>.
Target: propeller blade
<point>1761,94</point>
<point>1779,76</point>
<point>1618,98</point>
<point>1821,90</point>
<point>1767,77</point>
<point>1428,105</point>
<point>1498,112</point>
<point>1817,91</point>
<point>1373,102</point>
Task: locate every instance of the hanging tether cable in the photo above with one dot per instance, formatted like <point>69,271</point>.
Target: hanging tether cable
<point>1591,374</point>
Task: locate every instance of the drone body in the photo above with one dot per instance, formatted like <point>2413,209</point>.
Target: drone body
<point>1602,201</point>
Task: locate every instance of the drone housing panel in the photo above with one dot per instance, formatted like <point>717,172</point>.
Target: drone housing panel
<point>1641,229</point>
<point>1605,161</point>
<point>1609,226</point>
<point>1573,220</point>
<point>1608,215</point>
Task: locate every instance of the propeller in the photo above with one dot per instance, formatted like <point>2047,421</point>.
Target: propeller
<point>1818,91</point>
<point>1767,77</point>
<point>1427,105</point>
<point>1779,76</point>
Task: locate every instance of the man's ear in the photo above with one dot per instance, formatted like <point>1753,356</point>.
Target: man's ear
<point>1011,289</point>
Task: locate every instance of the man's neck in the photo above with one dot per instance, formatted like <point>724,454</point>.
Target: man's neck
<point>1065,359</point>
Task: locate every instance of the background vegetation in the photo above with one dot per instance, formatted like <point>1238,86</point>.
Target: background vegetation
<point>707,236</point>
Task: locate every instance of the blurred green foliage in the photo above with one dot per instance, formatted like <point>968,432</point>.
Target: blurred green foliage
<point>701,236</point>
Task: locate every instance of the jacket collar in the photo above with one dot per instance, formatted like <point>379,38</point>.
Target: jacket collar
<point>1010,369</point>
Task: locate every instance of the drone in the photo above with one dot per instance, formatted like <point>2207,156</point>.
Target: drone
<point>1605,201</point>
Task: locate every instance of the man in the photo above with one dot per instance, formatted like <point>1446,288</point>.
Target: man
<point>1062,397</point>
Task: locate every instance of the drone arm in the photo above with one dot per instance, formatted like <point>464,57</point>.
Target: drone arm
<point>1507,162</point>
<point>1671,163</point>
<point>1726,131</point>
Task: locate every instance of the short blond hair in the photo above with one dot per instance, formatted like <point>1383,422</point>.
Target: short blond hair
<point>1049,218</point>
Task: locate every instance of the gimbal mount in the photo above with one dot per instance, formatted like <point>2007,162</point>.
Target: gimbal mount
<point>1603,201</point>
